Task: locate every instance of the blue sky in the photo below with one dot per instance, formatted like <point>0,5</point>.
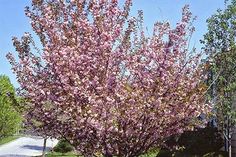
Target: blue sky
<point>13,21</point>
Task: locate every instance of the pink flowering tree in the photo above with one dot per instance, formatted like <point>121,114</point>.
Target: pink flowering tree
<point>101,83</point>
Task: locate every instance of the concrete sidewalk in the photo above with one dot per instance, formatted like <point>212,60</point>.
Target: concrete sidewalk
<point>25,147</point>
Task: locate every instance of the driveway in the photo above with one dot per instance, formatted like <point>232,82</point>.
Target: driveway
<point>25,147</point>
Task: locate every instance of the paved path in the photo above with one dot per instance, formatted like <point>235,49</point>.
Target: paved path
<point>25,147</point>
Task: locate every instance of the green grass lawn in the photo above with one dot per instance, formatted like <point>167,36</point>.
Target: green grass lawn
<point>8,139</point>
<point>55,154</point>
<point>71,154</point>
<point>150,154</point>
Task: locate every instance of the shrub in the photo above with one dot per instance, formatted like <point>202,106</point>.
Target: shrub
<point>164,153</point>
<point>63,146</point>
<point>201,141</point>
<point>198,142</point>
<point>217,154</point>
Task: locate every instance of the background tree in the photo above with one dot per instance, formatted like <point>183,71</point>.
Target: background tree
<point>219,43</point>
<point>101,83</point>
<point>10,119</point>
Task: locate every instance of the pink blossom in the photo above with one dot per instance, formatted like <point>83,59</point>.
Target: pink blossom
<point>102,83</point>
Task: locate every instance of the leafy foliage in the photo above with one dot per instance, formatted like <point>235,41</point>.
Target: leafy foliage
<point>219,43</point>
<point>9,118</point>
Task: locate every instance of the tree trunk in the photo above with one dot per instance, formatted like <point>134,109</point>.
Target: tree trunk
<point>44,147</point>
<point>233,132</point>
<point>233,142</point>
